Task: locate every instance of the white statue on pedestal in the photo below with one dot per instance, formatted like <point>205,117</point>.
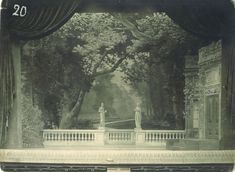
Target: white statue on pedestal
<point>138,116</point>
<point>102,112</point>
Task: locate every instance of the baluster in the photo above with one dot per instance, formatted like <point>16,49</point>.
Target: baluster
<point>88,137</point>
<point>67,136</point>
<point>58,136</point>
<point>117,136</point>
<point>84,137</point>
<point>177,136</point>
<point>62,136</point>
<point>122,136</point>
<point>157,136</point>
<point>79,136</point>
<point>148,137</point>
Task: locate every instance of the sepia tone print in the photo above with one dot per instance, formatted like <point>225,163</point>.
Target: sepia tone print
<point>117,85</point>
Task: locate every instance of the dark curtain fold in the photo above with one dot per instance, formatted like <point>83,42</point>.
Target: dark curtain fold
<point>207,19</point>
<point>43,17</point>
<point>6,89</point>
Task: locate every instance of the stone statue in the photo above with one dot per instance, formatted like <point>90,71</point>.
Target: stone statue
<point>102,112</point>
<point>138,116</point>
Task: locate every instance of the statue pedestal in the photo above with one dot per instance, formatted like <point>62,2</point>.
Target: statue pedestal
<point>139,136</point>
<point>100,136</point>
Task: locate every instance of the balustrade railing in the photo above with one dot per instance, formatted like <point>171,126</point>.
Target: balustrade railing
<point>72,137</point>
<point>162,135</point>
<point>110,136</point>
<point>119,136</point>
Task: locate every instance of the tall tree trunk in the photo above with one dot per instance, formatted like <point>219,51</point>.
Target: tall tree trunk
<point>68,118</point>
<point>15,119</point>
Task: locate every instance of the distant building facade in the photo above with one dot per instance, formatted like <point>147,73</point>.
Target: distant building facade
<point>203,97</point>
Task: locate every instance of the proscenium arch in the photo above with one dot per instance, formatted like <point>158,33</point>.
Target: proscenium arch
<point>211,21</point>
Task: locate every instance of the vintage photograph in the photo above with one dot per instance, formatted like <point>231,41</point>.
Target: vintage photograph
<point>117,85</point>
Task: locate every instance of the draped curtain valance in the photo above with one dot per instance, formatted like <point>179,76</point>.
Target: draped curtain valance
<point>207,19</point>
<point>42,17</point>
<point>204,18</point>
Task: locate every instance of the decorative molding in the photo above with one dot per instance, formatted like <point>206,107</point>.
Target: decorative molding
<point>212,90</point>
<point>212,52</point>
<point>116,156</point>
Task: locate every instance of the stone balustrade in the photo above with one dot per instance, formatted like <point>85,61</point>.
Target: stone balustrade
<point>161,135</point>
<point>53,138</point>
<point>72,137</point>
<point>113,136</point>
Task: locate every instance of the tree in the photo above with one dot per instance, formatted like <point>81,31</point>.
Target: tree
<point>167,44</point>
<point>68,62</point>
<point>101,50</point>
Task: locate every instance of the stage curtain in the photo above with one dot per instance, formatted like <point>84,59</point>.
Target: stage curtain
<point>211,20</point>
<point>42,18</point>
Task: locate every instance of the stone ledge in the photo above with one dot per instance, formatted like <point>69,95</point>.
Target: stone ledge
<point>111,156</point>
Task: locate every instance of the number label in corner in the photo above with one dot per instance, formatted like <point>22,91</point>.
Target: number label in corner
<point>20,11</point>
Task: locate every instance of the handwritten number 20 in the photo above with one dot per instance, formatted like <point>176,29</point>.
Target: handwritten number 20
<point>20,10</point>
